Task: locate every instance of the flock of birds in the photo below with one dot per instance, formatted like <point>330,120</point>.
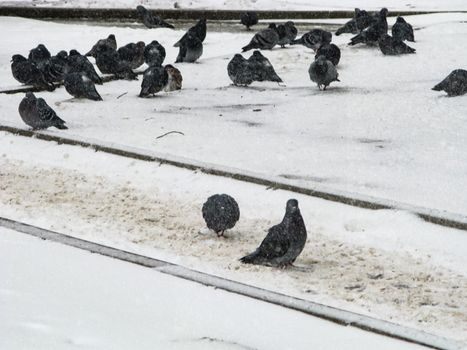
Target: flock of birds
<point>78,74</point>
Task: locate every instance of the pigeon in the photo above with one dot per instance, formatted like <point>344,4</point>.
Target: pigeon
<point>360,21</point>
<point>39,55</point>
<point>390,46</point>
<point>110,41</point>
<point>287,33</point>
<point>79,85</point>
<point>265,39</point>
<point>455,84</point>
<point>28,73</point>
<point>331,52</point>
<point>133,54</point>
<point>175,79</point>
<point>262,69</point>
<point>190,49</point>
<point>78,63</point>
<point>220,212</point>
<point>150,20</point>
<point>314,39</point>
<point>108,61</point>
<point>371,35</point>
<point>56,67</point>
<point>239,71</point>
<point>36,113</point>
<point>154,80</point>
<point>154,54</point>
<point>323,72</point>
<point>349,27</point>
<point>198,31</point>
<point>283,243</point>
<point>249,19</point>
<point>401,30</point>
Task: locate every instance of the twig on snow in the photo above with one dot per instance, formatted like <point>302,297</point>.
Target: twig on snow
<point>170,132</point>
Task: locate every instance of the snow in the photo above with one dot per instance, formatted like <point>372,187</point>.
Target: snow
<point>57,297</point>
<point>277,5</point>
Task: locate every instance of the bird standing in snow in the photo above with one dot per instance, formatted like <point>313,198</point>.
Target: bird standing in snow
<point>314,39</point>
<point>78,63</point>
<point>331,52</point>
<point>198,31</point>
<point>455,84</point>
<point>154,54</point>
<point>190,49</point>
<point>239,71</point>
<point>262,68</point>
<point>108,61</point>
<point>390,46</point>
<point>287,33</point>
<point>401,30</point>
<point>110,41</point>
<point>220,212</point>
<point>150,20</point>
<point>360,21</point>
<point>132,54</point>
<point>36,113</point>
<point>265,39</point>
<point>284,242</point>
<point>79,85</point>
<point>175,79</point>
<point>27,72</point>
<point>154,80</point>
<point>323,72</point>
<point>371,35</point>
<point>249,19</point>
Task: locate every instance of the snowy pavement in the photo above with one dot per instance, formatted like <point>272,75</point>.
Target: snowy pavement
<point>57,297</point>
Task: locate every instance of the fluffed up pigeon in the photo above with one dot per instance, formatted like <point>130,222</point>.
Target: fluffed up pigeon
<point>262,68</point>
<point>323,72</point>
<point>220,212</point>
<point>108,61</point>
<point>284,242</point>
<point>154,54</point>
<point>390,46</point>
<point>198,31</point>
<point>314,39</point>
<point>78,63</point>
<point>371,35</point>
<point>110,41</point>
<point>133,54</point>
<point>249,19</point>
<point>28,73</point>
<point>455,84</point>
<point>239,71</point>
<point>36,113</point>
<point>79,85</point>
<point>56,67</point>
<point>39,55</point>
<point>154,80</point>
<point>331,52</point>
<point>175,78</point>
<point>190,49</point>
<point>265,39</point>
<point>401,30</point>
<point>287,33</point>
<point>150,20</point>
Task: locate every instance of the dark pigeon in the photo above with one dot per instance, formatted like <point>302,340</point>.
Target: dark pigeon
<point>150,20</point>
<point>133,54</point>
<point>455,84</point>
<point>110,41</point>
<point>78,63</point>
<point>265,39</point>
<point>79,85</point>
<point>175,78</point>
<point>239,71</point>
<point>154,81</point>
<point>190,49</point>
<point>331,52</point>
<point>262,69</point>
<point>249,19</point>
<point>349,27</point>
<point>390,46</point>
<point>154,54</point>
<point>287,33</point>
<point>198,31</point>
<point>108,61</point>
<point>284,242</point>
<point>39,55</point>
<point>36,113</point>
<point>314,39</point>
<point>323,72</point>
<point>56,67</point>
<point>371,35</point>
<point>360,21</point>
<point>402,30</point>
<point>220,212</point>
<point>28,73</point>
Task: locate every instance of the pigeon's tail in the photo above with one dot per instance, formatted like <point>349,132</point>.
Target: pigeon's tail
<point>439,87</point>
<point>358,39</point>
<point>248,47</point>
<point>61,126</point>
<point>340,31</point>
<point>177,44</point>
<point>167,25</point>
<point>252,258</point>
<point>296,41</point>
<point>94,95</point>
<point>276,79</point>
<point>91,53</point>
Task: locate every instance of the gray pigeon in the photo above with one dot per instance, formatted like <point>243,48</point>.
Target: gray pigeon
<point>249,19</point>
<point>314,39</point>
<point>455,84</point>
<point>390,46</point>
<point>110,41</point>
<point>220,212</point>
<point>284,242</point>
<point>154,54</point>
<point>402,30</point>
<point>79,85</point>
<point>287,33</point>
<point>360,21</point>
<point>36,113</point>
<point>371,35</point>
<point>39,55</point>
<point>28,73</point>
<point>239,71</point>
<point>108,61</point>
<point>323,72</point>
<point>56,67</point>
<point>190,49</point>
<point>331,52</point>
<point>265,39</point>
<point>198,31</point>
<point>133,54</point>
<point>78,63</point>
<point>150,20</point>
<point>154,80</point>
<point>262,69</point>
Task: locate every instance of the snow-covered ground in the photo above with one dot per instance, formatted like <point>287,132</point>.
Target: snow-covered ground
<point>57,297</point>
<point>387,264</point>
<point>304,5</point>
<point>380,132</point>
